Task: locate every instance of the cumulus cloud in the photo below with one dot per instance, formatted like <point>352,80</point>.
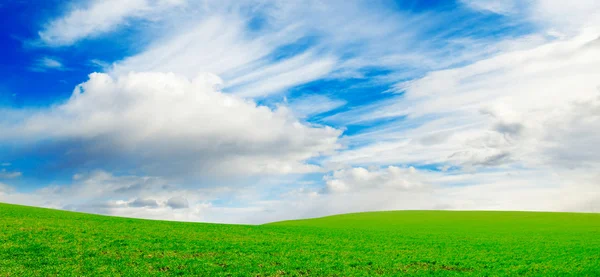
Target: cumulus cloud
<point>525,190</point>
<point>143,203</point>
<point>129,195</point>
<point>103,185</point>
<point>167,124</point>
<point>359,178</point>
<point>529,190</point>
<point>178,202</point>
<point>105,193</point>
<point>373,189</point>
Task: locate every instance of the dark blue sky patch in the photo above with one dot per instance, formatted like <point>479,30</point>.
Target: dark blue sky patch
<point>25,80</point>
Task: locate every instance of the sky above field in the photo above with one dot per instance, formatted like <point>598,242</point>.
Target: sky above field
<point>251,111</point>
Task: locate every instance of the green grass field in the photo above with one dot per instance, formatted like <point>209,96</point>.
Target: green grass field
<point>43,242</point>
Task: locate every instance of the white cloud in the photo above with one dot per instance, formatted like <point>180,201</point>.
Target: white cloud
<point>51,63</point>
<point>555,17</point>
<point>143,203</point>
<point>219,44</point>
<point>168,124</point>
<point>373,189</point>
<point>520,107</point>
<point>216,44</point>
<point>564,18</point>
<point>47,63</point>
<point>99,64</point>
<point>281,81</point>
<point>98,17</point>
<point>513,190</point>
<point>314,104</point>
<point>100,191</point>
<point>523,190</point>
<point>178,202</point>
<point>132,196</point>
<point>358,178</point>
<point>495,6</point>
<point>4,174</point>
<point>315,37</point>
<point>4,189</point>
<point>535,109</point>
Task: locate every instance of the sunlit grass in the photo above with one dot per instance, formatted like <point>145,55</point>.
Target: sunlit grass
<point>43,242</point>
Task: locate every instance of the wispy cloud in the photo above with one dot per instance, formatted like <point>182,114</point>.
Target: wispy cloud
<point>316,38</point>
<point>47,63</point>
<point>5,174</point>
<point>553,17</point>
<point>98,17</point>
<point>505,7</point>
<point>314,104</point>
<point>100,64</point>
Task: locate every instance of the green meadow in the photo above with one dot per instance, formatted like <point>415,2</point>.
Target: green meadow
<point>44,242</point>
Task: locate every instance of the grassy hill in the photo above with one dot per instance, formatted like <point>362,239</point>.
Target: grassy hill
<point>43,242</point>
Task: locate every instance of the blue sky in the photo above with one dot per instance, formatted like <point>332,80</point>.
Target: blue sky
<point>251,111</point>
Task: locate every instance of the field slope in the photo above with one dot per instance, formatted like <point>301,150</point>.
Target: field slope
<point>43,242</point>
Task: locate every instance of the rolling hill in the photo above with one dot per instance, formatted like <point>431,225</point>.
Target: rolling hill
<point>45,242</point>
